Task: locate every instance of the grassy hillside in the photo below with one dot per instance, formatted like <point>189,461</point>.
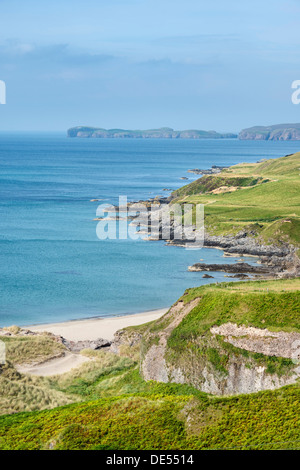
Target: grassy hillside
<point>260,198</point>
<point>171,419</point>
<point>108,405</point>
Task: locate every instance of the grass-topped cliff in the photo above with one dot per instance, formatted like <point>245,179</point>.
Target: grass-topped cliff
<point>262,199</point>
<point>107,404</point>
<point>231,338</point>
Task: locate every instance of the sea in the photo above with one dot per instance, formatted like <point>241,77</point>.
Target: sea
<point>53,266</point>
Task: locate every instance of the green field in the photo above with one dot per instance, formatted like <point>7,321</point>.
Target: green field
<point>262,199</point>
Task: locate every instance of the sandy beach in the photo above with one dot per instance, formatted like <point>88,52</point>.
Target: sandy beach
<point>94,328</point>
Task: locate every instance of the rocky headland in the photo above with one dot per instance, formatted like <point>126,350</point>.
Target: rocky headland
<point>275,132</point>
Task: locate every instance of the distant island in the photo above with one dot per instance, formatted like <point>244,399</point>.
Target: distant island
<point>162,133</point>
<point>275,132</point>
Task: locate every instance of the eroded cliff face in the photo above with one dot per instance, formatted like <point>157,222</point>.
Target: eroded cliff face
<point>242,379</point>
<point>243,373</point>
<point>154,364</point>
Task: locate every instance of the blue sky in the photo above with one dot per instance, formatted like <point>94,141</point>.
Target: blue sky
<point>135,64</point>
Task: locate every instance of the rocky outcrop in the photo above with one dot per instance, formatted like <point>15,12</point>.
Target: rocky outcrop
<point>244,379</point>
<point>77,346</point>
<point>215,169</point>
<point>277,260</point>
<point>231,268</point>
<point>263,341</point>
<point>241,244</point>
<point>125,339</point>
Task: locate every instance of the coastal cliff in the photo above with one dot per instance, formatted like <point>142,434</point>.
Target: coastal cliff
<point>225,340</point>
<point>275,132</point>
<point>251,209</point>
<point>162,133</point>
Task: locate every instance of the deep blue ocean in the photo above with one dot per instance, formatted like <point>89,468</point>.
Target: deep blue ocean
<point>53,267</point>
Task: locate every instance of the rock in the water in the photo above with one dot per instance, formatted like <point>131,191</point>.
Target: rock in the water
<point>230,268</point>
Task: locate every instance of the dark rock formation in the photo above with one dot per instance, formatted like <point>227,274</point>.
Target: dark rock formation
<point>232,268</point>
<point>211,171</point>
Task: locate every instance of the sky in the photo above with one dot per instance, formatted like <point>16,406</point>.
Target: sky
<point>142,64</point>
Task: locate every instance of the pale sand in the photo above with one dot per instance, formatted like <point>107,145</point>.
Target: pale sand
<point>79,330</point>
<point>94,328</point>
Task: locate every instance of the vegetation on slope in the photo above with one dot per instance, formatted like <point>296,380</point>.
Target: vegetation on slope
<point>269,211</point>
<point>169,418</point>
<point>191,345</point>
<point>114,408</point>
<point>210,183</point>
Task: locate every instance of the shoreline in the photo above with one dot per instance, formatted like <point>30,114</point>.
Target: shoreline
<point>96,327</point>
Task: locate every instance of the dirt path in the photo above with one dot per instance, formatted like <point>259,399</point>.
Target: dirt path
<point>55,366</point>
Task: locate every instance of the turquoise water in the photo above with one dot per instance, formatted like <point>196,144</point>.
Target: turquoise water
<point>53,267</point>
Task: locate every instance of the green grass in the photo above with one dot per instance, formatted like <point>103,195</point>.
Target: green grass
<point>211,182</point>
<point>267,193</point>
<point>266,420</point>
<point>258,308</point>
